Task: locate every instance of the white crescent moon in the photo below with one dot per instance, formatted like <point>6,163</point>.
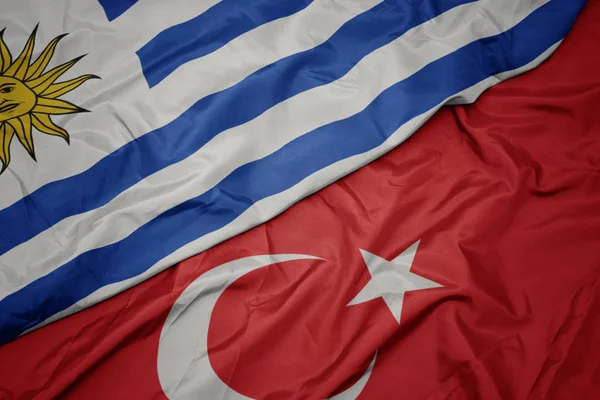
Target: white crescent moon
<point>184,370</point>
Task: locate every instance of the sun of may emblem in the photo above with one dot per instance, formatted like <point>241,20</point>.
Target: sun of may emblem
<point>29,95</point>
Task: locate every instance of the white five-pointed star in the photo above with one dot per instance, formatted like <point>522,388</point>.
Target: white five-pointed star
<point>391,279</point>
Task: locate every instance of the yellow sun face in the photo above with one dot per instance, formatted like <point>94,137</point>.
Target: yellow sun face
<point>16,99</point>
<point>28,96</point>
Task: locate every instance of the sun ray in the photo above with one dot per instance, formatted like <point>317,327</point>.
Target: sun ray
<point>58,89</point>
<point>43,123</point>
<point>6,135</point>
<point>19,67</point>
<point>43,82</point>
<point>37,68</point>
<point>5,56</point>
<point>56,107</point>
<point>22,127</point>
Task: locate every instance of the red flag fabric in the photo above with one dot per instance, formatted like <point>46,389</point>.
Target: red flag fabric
<point>464,264</point>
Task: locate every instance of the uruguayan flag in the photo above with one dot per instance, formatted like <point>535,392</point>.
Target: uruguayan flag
<point>211,117</point>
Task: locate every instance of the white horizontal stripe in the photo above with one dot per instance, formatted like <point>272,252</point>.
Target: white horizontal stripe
<point>151,17</point>
<point>254,140</point>
<point>270,207</point>
<point>122,105</point>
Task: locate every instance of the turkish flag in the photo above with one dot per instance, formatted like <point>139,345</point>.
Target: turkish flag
<point>464,264</point>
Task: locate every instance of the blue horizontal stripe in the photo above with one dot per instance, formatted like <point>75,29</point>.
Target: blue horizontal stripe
<point>286,167</point>
<point>114,8</point>
<point>208,32</point>
<point>210,116</point>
